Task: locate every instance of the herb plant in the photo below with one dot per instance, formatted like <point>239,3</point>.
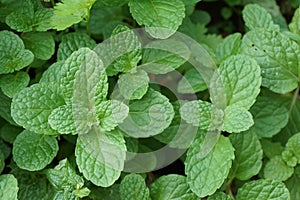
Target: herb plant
<point>149,99</point>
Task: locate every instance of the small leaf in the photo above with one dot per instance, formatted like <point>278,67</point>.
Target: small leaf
<point>32,151</point>
<point>206,175</point>
<point>160,17</point>
<point>171,187</point>
<point>100,156</point>
<point>8,187</point>
<point>12,84</point>
<point>133,85</point>
<point>293,145</point>
<point>294,25</point>
<point>42,45</point>
<point>13,55</point>
<point>263,189</point>
<point>133,186</point>
<point>191,82</point>
<point>148,116</point>
<point>277,169</point>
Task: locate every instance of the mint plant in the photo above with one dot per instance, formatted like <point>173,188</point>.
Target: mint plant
<point>149,99</point>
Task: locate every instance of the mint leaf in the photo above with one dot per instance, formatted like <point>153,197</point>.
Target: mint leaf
<point>2,161</point>
<point>163,56</point>
<point>100,156</point>
<point>248,155</point>
<point>9,132</point>
<point>197,113</point>
<point>191,82</point>
<point>256,16</point>
<point>269,117</point>
<point>206,175</point>
<point>53,73</point>
<point>5,108</point>
<point>8,187</point>
<point>171,187</point>
<point>41,100</point>
<point>133,186</point>
<point>293,145</point>
<point>263,189</point>
<point>111,3</point>
<point>133,85</point>
<point>148,116</point>
<point>237,119</point>
<point>72,42</point>
<point>70,12</point>
<point>277,169</point>
<point>30,16</point>
<point>160,17</point>
<point>280,66</point>
<point>294,25</point>
<point>271,149</point>
<point>32,151</point>
<point>219,196</point>
<point>293,186</point>
<point>11,84</point>
<point>42,45</point>
<point>108,193</point>
<point>13,55</point>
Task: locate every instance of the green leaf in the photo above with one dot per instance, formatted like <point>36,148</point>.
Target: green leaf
<point>219,196</point>
<point>100,156</point>
<point>293,145</point>
<point>191,82</point>
<point>5,108</point>
<point>53,73</point>
<point>148,116</point>
<point>62,120</point>
<point>277,55</point>
<point>229,46</point>
<point>72,42</point>
<point>32,151</point>
<point>237,119</point>
<point>9,132</point>
<point>11,84</point>
<point>30,16</point>
<point>293,184</point>
<point>271,149</point>
<point>248,155</point>
<point>206,175</point>
<point>13,55</point>
<point>160,17</point>
<point>269,117</point>
<point>163,56</point>
<point>197,113</point>
<point>111,3</point>
<point>277,169</point>
<point>109,193</point>
<point>2,161</point>
<point>263,189</point>
<point>70,12</point>
<point>256,16</point>
<point>8,187</point>
<point>133,186</point>
<point>32,106</point>
<point>5,149</point>
<point>42,45</point>
<point>171,187</point>
<point>294,25</point>
<point>133,85</point>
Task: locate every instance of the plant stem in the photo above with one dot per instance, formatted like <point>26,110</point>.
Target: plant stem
<point>295,96</point>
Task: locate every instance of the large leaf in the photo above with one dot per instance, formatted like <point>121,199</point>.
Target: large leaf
<point>133,186</point>
<point>277,169</point>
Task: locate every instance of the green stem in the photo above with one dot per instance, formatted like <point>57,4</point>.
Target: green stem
<point>88,30</point>
<point>295,96</point>
<point>228,188</point>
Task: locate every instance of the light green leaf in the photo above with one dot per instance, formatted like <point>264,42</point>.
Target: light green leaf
<point>256,16</point>
<point>240,77</point>
<point>133,85</point>
<point>8,187</point>
<point>197,113</point>
<point>11,84</point>
<point>229,46</point>
<point>219,196</point>
<point>206,175</point>
<point>293,145</point>
<point>295,25</point>
<point>237,119</point>
<point>160,17</point>
<point>13,55</point>
<point>62,120</point>
<point>42,45</point>
<point>277,55</point>
<point>32,151</point>
<point>163,56</point>
<point>72,42</point>
<point>248,155</point>
<point>111,113</point>
<point>133,186</point>
<point>191,82</point>
<point>171,187</point>
<point>148,116</point>
<point>30,16</point>
<point>70,12</point>
<point>53,73</point>
<point>64,177</point>
<point>269,117</point>
<point>277,169</point>
<point>100,156</point>
<point>263,189</point>
<point>32,106</point>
